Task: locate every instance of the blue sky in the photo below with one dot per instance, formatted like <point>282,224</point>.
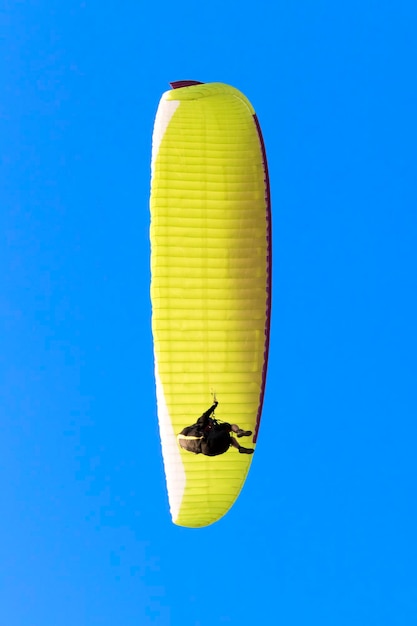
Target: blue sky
<point>324,532</point>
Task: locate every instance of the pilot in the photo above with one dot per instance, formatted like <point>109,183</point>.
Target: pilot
<point>208,436</point>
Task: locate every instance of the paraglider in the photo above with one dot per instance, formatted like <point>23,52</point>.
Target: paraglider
<point>210,287</point>
<point>210,437</point>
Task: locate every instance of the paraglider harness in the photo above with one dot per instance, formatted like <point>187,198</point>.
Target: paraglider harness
<point>211,424</point>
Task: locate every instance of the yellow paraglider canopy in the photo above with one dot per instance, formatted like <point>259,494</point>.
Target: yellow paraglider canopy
<point>211,284</point>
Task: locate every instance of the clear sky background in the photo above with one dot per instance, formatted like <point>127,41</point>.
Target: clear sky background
<point>324,532</point>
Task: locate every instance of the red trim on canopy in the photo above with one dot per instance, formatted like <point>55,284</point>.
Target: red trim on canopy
<point>177,84</point>
<point>269,275</point>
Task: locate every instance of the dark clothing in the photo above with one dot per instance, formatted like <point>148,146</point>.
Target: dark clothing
<point>206,436</point>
